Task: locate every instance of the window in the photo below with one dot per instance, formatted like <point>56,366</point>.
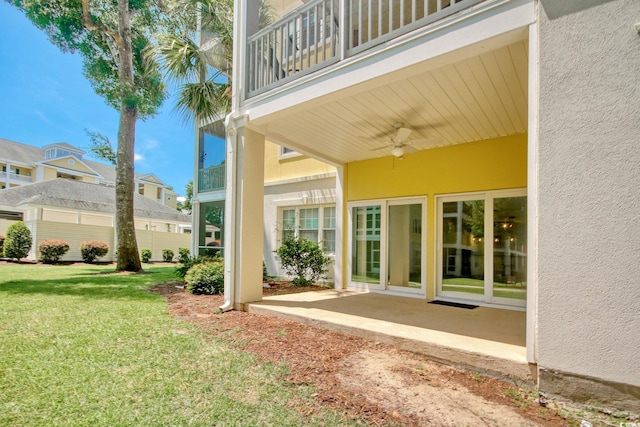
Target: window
<point>329,229</point>
<point>286,153</point>
<point>315,223</point>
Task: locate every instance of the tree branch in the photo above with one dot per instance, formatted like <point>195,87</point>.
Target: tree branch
<point>89,24</point>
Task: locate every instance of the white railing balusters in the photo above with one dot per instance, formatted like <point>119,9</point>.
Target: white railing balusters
<point>323,32</point>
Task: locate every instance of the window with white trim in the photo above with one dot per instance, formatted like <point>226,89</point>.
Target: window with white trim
<point>286,153</point>
<point>315,223</point>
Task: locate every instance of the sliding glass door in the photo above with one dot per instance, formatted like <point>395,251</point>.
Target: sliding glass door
<point>404,240</point>
<point>387,245</point>
<point>482,244</point>
<point>366,244</point>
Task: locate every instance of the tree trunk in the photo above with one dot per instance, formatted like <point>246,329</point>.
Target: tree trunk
<point>128,256</point>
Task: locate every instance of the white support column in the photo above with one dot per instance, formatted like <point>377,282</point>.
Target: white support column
<point>195,226</point>
<point>340,253</point>
<point>244,227</point>
<point>532,199</point>
<point>8,175</point>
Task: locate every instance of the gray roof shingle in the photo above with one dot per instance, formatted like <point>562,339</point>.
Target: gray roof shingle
<point>85,196</point>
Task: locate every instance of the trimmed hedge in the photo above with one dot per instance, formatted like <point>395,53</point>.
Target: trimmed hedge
<point>93,249</point>
<point>17,243</point>
<point>52,250</point>
<point>145,255</point>
<point>206,279</point>
<point>167,255</point>
<point>184,254</point>
<point>1,245</point>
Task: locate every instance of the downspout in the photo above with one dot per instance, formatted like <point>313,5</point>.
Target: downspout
<point>230,210</point>
<point>231,199</point>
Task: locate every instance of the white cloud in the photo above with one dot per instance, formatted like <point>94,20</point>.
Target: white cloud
<point>138,157</point>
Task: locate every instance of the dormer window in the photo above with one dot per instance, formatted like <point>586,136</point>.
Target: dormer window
<point>57,151</point>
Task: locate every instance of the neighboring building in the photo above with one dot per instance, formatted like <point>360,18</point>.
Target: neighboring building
<point>24,164</point>
<point>485,151</point>
<point>77,211</point>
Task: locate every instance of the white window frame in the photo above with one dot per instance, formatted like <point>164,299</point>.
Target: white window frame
<point>282,155</point>
<point>487,298</point>
<point>296,229</point>
<point>383,286</point>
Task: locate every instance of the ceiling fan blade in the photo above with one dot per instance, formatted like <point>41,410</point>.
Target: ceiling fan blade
<point>409,149</point>
<point>427,141</point>
<point>403,134</point>
<point>379,148</point>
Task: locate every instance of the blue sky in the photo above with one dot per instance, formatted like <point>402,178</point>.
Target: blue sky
<point>44,98</point>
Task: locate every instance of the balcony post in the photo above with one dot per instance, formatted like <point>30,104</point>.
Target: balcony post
<point>344,31</point>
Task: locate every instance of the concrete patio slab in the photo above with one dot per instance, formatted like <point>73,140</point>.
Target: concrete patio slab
<point>485,339</point>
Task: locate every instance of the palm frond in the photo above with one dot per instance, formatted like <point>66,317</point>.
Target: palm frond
<point>203,101</point>
<point>181,57</point>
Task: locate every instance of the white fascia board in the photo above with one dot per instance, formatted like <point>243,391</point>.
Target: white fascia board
<point>487,22</point>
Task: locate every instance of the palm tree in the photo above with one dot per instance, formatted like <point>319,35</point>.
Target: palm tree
<point>204,72</point>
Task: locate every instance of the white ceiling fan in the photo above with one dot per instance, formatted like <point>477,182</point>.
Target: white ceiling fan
<point>400,143</point>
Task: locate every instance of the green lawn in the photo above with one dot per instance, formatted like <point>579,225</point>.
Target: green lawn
<point>81,348</point>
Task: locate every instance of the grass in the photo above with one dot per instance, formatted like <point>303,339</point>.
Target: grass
<point>80,347</point>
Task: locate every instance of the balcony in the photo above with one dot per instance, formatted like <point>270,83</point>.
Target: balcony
<point>325,32</point>
<point>211,178</point>
<point>15,178</point>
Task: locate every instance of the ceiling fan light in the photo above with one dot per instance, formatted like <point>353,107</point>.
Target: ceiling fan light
<point>397,151</point>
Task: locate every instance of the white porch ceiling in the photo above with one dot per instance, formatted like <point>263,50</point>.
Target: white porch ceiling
<point>473,99</point>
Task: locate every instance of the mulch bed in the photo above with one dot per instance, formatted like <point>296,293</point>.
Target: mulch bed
<point>316,356</point>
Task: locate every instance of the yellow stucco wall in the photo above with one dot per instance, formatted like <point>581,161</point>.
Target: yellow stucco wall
<point>76,166</point>
<point>49,174</point>
<point>150,191</point>
<point>478,166</point>
<point>279,6</point>
<point>276,169</point>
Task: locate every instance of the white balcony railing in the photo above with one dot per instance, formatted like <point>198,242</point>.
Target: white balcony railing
<point>14,177</point>
<point>212,178</point>
<point>311,38</point>
<point>294,46</point>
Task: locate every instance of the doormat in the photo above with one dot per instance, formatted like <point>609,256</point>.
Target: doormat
<point>454,304</point>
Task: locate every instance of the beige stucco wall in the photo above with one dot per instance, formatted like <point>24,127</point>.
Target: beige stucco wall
<point>74,234</point>
<point>157,241</point>
<point>589,190</point>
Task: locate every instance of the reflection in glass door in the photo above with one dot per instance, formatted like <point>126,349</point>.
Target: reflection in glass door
<point>463,248</point>
<point>366,248</point>
<point>510,248</point>
<point>404,240</point>
<point>472,226</point>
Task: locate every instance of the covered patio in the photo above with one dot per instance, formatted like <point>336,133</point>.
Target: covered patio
<point>486,339</point>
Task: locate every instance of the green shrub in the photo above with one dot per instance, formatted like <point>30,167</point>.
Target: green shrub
<point>206,278</point>
<point>145,255</point>
<point>17,243</point>
<point>167,255</point>
<point>1,245</point>
<point>303,259</point>
<point>187,263</point>
<point>52,250</point>
<point>183,254</point>
<point>93,249</point>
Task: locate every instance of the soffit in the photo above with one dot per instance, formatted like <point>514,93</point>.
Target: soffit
<point>476,98</point>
